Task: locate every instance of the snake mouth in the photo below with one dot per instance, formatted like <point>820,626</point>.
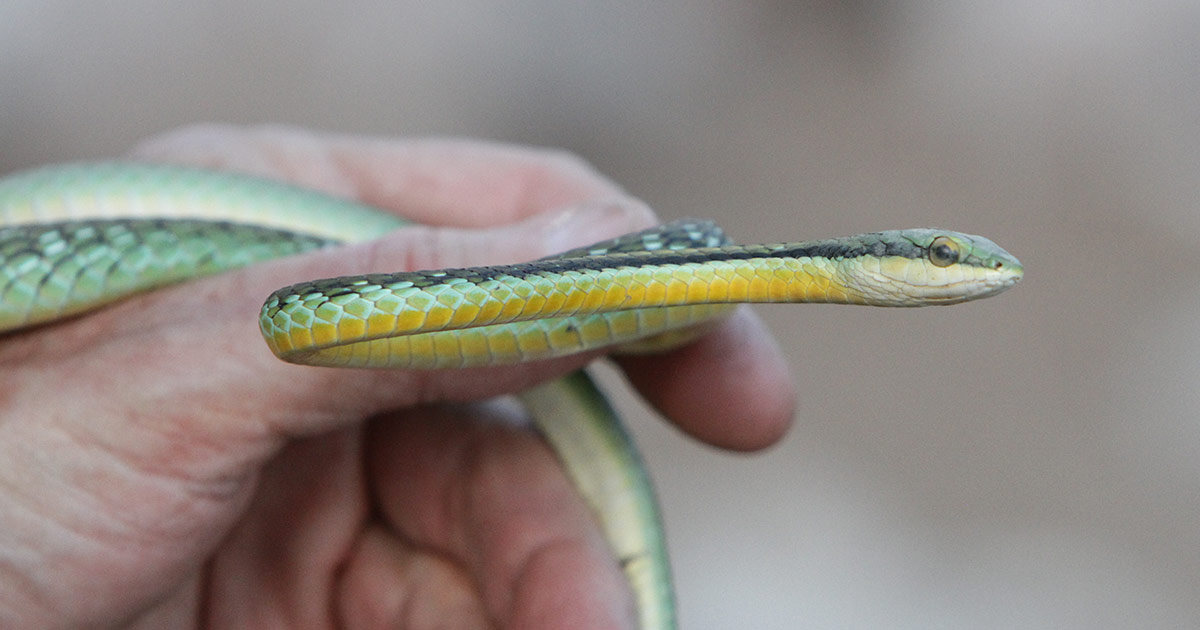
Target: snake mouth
<point>987,290</point>
<point>963,291</point>
<point>898,287</point>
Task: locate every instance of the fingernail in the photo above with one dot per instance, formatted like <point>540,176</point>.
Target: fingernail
<point>594,221</point>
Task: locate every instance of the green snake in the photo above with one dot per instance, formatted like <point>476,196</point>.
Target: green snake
<point>75,237</point>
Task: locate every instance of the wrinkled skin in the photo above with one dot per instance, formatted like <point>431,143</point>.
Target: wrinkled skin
<point>160,468</point>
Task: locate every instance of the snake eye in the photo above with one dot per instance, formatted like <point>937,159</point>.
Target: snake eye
<point>943,251</point>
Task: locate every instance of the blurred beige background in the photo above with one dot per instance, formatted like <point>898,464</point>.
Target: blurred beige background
<point>1031,461</point>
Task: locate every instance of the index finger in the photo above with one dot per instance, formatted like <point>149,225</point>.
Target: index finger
<point>433,181</point>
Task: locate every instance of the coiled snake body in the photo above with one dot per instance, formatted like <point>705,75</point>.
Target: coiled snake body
<point>75,237</point>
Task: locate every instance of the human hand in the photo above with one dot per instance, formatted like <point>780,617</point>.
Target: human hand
<point>159,467</point>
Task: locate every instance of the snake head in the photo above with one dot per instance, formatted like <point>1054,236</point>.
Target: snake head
<point>929,266</point>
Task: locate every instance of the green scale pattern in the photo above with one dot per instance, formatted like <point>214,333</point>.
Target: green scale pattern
<point>52,270</point>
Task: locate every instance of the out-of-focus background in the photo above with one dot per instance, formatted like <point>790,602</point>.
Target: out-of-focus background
<point>1031,461</point>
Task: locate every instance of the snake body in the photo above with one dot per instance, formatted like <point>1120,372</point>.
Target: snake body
<point>75,237</point>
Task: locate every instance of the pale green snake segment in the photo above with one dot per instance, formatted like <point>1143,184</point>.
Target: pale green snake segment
<point>75,237</point>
